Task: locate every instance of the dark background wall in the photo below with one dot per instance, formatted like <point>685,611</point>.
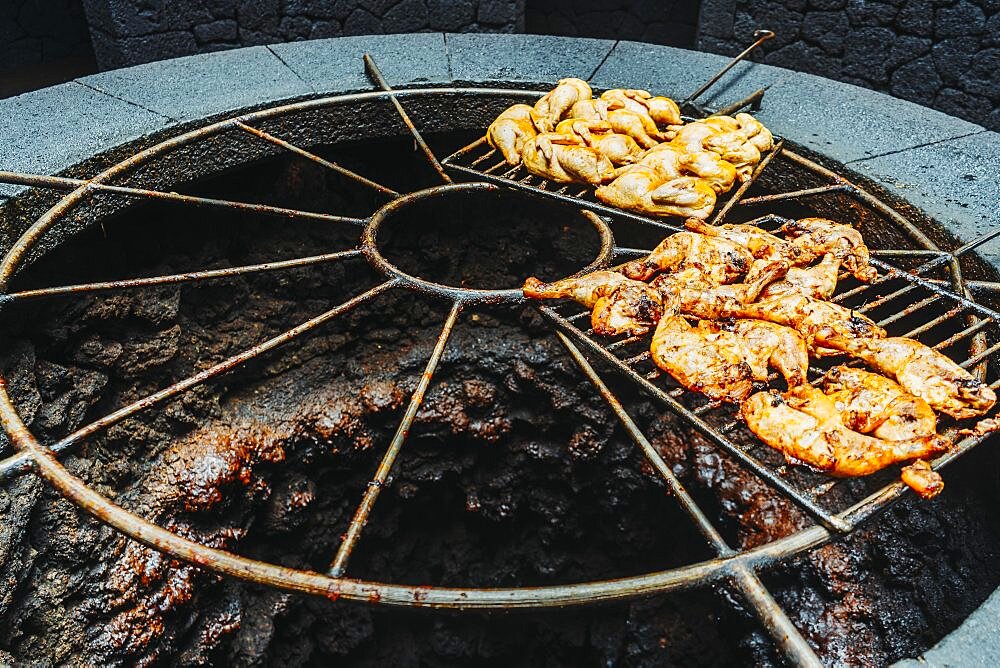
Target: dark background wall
<point>941,53</point>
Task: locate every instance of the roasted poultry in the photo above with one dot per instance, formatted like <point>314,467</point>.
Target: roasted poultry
<point>766,344</point>
<point>620,305</point>
<point>551,107</point>
<point>702,359</point>
<point>510,131</point>
<point>662,110</point>
<point>701,297</point>
<point>620,149</point>
<point>639,126</point>
<point>641,189</point>
<point>873,404</point>
<point>756,133</point>
<point>922,479</point>
<point>922,371</point>
<point>804,424</point>
<point>719,260</point>
<point>820,236</point>
<point>762,244</point>
<point>818,281</point>
<point>562,158</point>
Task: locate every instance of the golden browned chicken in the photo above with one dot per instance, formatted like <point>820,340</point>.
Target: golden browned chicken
<point>715,171</point>
<point>640,188</point>
<point>593,109</point>
<point>921,370</point>
<point>666,160</point>
<point>873,404</point>
<point>551,107</point>
<point>818,281</point>
<point>734,147</point>
<point>510,130</point>
<point>662,110</point>
<point>922,479</point>
<point>820,236</point>
<point>762,244</point>
<point>756,133</point>
<point>767,344</point>
<point>691,138</point>
<point>702,359</point>
<point>815,319</point>
<point>619,305</point>
<point>562,158</point>
<point>619,149</point>
<point>805,425</point>
<point>702,297</point>
<point>638,126</point>
<point>719,260</point>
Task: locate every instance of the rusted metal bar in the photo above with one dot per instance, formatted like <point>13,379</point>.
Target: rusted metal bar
<point>958,336</point>
<point>375,74</point>
<point>171,279</point>
<point>20,463</point>
<point>773,618</point>
<point>795,194</point>
<point>340,169</point>
<point>760,36</point>
<point>65,183</point>
<point>908,311</point>
<point>374,488</point>
<point>752,100</point>
<point>944,317</point>
<point>975,359</point>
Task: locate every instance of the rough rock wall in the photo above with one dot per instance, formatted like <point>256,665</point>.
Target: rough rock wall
<point>943,54</point>
<point>671,22</point>
<point>130,32</point>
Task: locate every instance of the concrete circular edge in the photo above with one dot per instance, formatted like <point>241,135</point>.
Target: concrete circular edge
<point>941,164</point>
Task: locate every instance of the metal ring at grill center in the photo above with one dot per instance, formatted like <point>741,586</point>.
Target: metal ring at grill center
<point>369,246</point>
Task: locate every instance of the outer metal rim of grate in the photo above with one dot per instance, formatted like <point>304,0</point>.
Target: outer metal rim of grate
<point>729,565</point>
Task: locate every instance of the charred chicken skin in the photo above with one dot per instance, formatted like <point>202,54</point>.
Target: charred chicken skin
<point>922,371</point>
<point>702,359</point>
<point>619,305</point>
<point>719,260</point>
<point>805,425</point>
<point>873,404</point>
<point>819,236</point>
<point>922,479</point>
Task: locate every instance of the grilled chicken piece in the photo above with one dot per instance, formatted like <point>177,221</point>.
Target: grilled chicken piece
<point>666,160</point>
<point>720,259</point>
<point>510,130</point>
<point>922,479</point>
<point>551,107</point>
<point>767,344</point>
<point>873,404</point>
<point>702,359</point>
<point>816,320</point>
<point>691,138</point>
<point>715,171</point>
<point>593,109</point>
<point>662,110</point>
<point>704,299</point>
<point>922,371</point>
<point>620,305</point>
<point>639,188</point>
<point>619,149</point>
<point>804,425</point>
<point>734,147</point>
<point>563,159</point>
<point>820,236</point>
<point>818,281</point>
<point>761,244</point>
<point>638,126</point>
<point>756,133</point>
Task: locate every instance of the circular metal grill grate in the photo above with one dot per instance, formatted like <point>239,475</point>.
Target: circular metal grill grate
<point>931,283</point>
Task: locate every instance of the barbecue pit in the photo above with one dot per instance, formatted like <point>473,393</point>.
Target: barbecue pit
<point>789,179</point>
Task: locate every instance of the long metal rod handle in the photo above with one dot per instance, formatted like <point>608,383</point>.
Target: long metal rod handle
<point>340,169</point>
<point>376,76</point>
<point>374,488</point>
<point>772,616</point>
<point>760,36</point>
<point>65,183</point>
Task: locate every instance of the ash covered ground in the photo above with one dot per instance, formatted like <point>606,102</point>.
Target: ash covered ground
<point>514,474</point>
